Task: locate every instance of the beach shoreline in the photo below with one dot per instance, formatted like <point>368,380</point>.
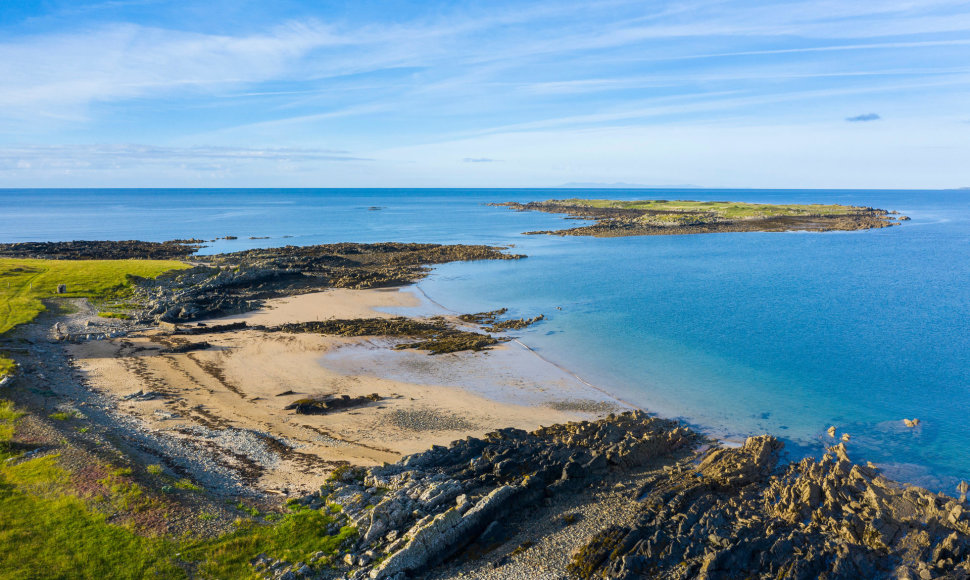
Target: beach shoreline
<point>232,394</point>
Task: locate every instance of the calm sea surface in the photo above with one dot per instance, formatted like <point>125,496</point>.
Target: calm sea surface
<point>738,333</point>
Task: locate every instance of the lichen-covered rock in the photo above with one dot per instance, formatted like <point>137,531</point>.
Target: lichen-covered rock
<point>740,516</point>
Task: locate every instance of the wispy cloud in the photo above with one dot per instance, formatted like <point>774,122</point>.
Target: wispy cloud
<point>300,78</point>
<point>128,156</point>
<point>863,118</point>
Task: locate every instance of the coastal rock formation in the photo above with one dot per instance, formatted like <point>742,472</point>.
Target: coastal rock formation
<point>662,217</point>
<point>238,282</point>
<point>415,513</point>
<point>489,320</point>
<point>735,518</point>
<point>723,513</point>
<point>101,250</point>
<point>325,405</point>
<point>435,334</point>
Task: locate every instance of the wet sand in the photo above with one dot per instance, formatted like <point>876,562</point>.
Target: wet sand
<point>231,396</point>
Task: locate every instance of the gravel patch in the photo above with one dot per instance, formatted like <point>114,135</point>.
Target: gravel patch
<point>427,420</point>
<point>585,406</point>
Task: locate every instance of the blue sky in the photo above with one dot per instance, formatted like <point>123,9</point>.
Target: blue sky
<point>146,93</point>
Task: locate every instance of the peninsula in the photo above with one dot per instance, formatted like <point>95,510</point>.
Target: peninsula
<point>660,217</point>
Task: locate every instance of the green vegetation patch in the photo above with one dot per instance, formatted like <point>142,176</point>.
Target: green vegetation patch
<point>664,217</point>
<point>435,335</point>
<point>24,283</point>
<point>48,532</point>
<point>7,366</point>
<point>8,418</point>
<point>119,315</point>
<point>723,209</point>
<point>295,537</point>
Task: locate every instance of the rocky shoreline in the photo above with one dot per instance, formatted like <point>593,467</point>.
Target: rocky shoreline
<point>496,507</point>
<point>102,250</point>
<point>616,219</point>
<point>626,496</point>
<point>225,284</point>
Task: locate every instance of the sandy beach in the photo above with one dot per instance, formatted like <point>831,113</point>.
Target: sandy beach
<point>231,396</point>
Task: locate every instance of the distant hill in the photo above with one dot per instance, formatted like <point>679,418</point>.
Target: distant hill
<point>621,185</point>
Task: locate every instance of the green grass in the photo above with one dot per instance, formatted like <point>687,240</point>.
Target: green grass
<point>187,484</point>
<point>8,416</point>
<point>7,366</point>
<point>46,532</point>
<point>295,537</point>
<point>63,415</point>
<point>724,209</point>
<point>25,283</point>
<point>119,315</point>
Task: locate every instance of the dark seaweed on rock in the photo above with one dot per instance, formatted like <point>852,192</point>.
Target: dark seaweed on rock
<point>397,326</point>
<point>437,336</point>
<point>491,323</point>
<point>514,324</point>
<point>323,406</point>
<point>239,282</point>
<point>187,347</point>
<point>453,343</point>
<point>483,317</point>
<point>212,329</point>
<point>101,250</point>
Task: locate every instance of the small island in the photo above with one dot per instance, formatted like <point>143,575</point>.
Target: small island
<point>661,217</point>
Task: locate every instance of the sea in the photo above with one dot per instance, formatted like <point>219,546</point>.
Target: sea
<point>736,334</point>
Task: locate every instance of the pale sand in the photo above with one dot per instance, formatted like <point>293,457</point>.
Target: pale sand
<point>229,395</point>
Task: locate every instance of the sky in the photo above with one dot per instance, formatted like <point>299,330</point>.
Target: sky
<point>358,93</point>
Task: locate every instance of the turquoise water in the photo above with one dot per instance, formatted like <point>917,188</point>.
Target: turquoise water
<point>785,333</point>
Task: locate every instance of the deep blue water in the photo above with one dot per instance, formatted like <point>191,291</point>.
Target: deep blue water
<point>785,333</point>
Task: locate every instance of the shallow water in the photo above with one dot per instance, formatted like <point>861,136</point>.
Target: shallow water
<point>744,333</point>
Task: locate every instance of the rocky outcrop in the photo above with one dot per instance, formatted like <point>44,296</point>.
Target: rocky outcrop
<point>727,513</point>
<point>737,516</point>
<point>101,250</point>
<point>239,282</point>
<point>414,514</point>
<point>330,404</point>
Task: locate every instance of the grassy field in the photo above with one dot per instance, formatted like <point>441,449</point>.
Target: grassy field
<point>46,531</point>
<point>25,283</point>
<point>724,209</point>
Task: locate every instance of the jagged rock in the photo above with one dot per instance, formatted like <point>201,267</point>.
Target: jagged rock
<point>736,514</point>
<point>738,467</point>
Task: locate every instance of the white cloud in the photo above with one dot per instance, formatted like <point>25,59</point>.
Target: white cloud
<point>130,156</point>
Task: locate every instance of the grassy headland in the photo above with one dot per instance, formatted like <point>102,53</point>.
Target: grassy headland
<point>665,217</point>
<point>25,283</point>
